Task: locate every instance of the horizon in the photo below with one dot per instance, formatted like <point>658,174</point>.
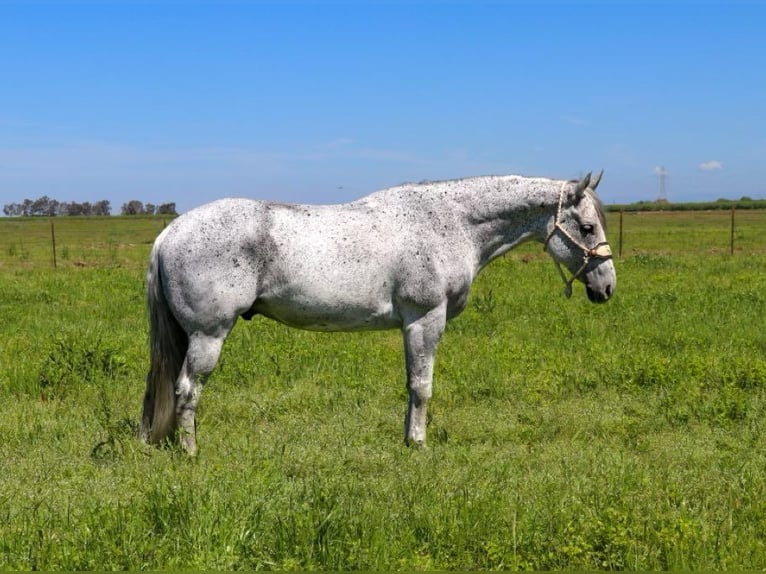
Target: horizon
<point>169,209</point>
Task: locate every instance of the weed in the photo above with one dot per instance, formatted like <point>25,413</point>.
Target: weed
<point>77,360</point>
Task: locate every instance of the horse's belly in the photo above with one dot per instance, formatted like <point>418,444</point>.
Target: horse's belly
<point>325,316</point>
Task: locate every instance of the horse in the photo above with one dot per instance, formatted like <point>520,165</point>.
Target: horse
<point>401,258</point>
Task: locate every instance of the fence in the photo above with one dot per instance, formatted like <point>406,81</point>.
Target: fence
<point>77,241</point>
<point>126,241</point>
<point>688,232</point>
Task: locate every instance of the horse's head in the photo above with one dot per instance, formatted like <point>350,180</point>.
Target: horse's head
<point>577,239</point>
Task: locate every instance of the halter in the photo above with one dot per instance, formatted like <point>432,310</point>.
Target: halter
<point>600,251</point>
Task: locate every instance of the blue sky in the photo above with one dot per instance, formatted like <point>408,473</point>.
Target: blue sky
<point>323,102</point>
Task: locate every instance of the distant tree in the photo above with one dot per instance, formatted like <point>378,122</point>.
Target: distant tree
<point>39,205</point>
<point>133,207</point>
<point>150,209</point>
<point>12,209</point>
<point>44,206</point>
<point>102,208</point>
<point>74,208</point>
<point>167,209</point>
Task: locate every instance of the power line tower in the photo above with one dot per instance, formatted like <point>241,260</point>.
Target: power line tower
<point>662,173</point>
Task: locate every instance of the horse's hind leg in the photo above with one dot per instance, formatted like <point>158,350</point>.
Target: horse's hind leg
<point>200,361</point>
<point>421,337</point>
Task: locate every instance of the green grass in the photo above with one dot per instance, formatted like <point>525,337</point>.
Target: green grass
<point>563,435</point>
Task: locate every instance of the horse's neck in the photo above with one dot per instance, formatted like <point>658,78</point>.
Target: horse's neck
<point>510,213</point>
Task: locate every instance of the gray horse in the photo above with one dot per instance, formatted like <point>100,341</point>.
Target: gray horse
<point>404,257</point>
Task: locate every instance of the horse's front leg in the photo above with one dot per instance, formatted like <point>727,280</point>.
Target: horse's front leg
<point>421,337</point>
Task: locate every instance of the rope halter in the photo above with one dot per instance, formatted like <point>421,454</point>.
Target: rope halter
<point>601,251</point>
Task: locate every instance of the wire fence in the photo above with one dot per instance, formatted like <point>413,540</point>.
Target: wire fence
<point>126,241</point>
<point>733,232</point>
<point>77,241</point>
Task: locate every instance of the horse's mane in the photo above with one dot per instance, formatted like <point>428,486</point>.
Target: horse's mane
<point>599,207</point>
<point>429,182</point>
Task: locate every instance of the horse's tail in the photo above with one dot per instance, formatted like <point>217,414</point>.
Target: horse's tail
<point>168,343</point>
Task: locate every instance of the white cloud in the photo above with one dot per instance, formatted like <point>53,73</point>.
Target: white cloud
<point>712,165</point>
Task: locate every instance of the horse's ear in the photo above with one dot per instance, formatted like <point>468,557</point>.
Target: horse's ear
<point>581,186</point>
<point>596,180</point>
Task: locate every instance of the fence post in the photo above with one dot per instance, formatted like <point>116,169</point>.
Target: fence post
<point>619,247</point>
<point>53,243</point>
<point>731,241</point>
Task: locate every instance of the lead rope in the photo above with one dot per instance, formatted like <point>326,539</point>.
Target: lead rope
<point>602,250</point>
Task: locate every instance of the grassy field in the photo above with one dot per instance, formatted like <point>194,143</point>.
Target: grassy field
<point>27,242</point>
<point>563,435</point>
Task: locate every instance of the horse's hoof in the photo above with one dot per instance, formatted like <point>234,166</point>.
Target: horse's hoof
<point>415,443</point>
<point>189,446</point>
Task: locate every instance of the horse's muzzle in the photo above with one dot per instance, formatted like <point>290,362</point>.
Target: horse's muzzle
<point>599,296</point>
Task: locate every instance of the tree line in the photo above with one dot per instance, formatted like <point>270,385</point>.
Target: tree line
<point>135,207</point>
<point>45,206</point>
<point>745,202</point>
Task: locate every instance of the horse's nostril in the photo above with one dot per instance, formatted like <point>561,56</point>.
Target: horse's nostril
<point>609,290</point>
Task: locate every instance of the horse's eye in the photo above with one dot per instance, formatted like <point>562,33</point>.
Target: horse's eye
<point>586,229</point>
